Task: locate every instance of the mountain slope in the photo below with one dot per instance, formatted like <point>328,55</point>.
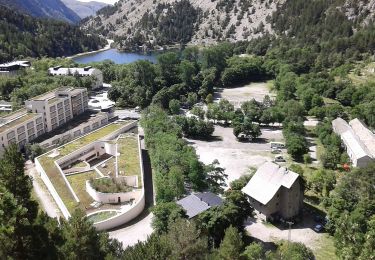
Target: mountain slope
<point>84,9</point>
<point>43,8</point>
<point>134,24</point>
<point>26,36</point>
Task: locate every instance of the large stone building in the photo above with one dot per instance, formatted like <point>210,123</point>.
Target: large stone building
<point>42,114</point>
<point>359,141</point>
<point>88,71</point>
<point>275,191</point>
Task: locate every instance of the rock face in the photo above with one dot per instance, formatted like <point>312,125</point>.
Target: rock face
<point>43,8</point>
<point>84,9</point>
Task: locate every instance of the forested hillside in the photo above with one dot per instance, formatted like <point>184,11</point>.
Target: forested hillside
<point>25,36</point>
<point>43,8</point>
<point>132,24</point>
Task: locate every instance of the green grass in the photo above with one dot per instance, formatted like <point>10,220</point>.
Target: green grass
<point>102,216</point>
<point>325,249</point>
<point>128,160</point>
<point>78,183</point>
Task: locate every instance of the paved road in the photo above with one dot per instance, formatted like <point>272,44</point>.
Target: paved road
<point>45,199</point>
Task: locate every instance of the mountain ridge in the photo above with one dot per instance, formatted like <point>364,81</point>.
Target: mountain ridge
<point>84,9</point>
<point>54,9</point>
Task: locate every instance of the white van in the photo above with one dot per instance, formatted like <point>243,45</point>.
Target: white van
<point>277,145</point>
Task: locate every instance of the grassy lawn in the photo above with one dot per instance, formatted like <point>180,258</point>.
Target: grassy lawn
<point>102,216</point>
<point>109,167</point>
<point>58,182</point>
<point>94,136</point>
<point>78,183</point>
<point>325,249</point>
<point>129,157</point>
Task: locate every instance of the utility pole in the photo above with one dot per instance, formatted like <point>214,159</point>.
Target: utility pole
<point>290,223</point>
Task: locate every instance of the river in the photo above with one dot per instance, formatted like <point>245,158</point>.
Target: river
<point>115,56</point>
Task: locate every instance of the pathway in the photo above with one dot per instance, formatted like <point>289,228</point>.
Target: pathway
<point>45,199</point>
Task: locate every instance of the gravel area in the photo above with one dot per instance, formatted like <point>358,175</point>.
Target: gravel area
<point>236,157</point>
<point>239,95</point>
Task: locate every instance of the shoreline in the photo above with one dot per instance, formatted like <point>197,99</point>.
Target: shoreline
<point>107,47</point>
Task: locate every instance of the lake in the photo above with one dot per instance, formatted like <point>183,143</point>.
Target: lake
<point>115,56</point>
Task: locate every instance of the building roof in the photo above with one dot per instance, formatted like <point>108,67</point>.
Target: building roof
<point>358,149</point>
<point>20,63</point>
<point>340,126</point>
<point>364,134</point>
<point>197,203</point>
<point>356,136</point>
<point>66,71</point>
<point>267,180</point>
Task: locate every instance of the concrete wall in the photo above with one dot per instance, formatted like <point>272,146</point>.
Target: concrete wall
<point>52,190</point>
<point>112,197</point>
<point>122,218</point>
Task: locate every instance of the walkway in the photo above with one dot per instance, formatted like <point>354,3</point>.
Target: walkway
<point>45,200</point>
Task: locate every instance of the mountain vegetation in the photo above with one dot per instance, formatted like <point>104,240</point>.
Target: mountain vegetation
<point>132,24</point>
<point>25,36</point>
<point>54,9</point>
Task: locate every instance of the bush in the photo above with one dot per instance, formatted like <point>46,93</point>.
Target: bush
<point>107,185</point>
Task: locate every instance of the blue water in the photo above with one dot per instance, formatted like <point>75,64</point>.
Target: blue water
<point>115,56</point>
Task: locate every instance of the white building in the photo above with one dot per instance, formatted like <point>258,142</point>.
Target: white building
<point>12,68</point>
<point>42,114</point>
<point>96,74</point>
<point>5,106</point>
<point>359,141</point>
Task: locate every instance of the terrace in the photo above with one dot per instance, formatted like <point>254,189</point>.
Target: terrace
<point>47,162</point>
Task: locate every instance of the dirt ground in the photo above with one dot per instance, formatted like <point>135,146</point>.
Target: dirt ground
<point>302,232</point>
<point>245,93</point>
<point>236,157</point>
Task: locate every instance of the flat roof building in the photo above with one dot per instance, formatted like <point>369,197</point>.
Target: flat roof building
<point>42,114</point>
<point>359,141</point>
<point>275,190</point>
<point>88,71</point>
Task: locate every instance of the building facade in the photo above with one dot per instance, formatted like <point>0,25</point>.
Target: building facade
<point>88,71</point>
<point>275,191</point>
<point>43,114</point>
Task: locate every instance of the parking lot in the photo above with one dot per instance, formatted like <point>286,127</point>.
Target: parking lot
<point>237,157</point>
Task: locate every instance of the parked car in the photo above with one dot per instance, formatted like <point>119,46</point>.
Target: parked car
<point>277,145</point>
<point>279,158</point>
<point>318,228</point>
<point>275,150</point>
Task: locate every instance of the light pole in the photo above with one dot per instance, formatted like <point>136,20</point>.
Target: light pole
<point>116,166</point>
